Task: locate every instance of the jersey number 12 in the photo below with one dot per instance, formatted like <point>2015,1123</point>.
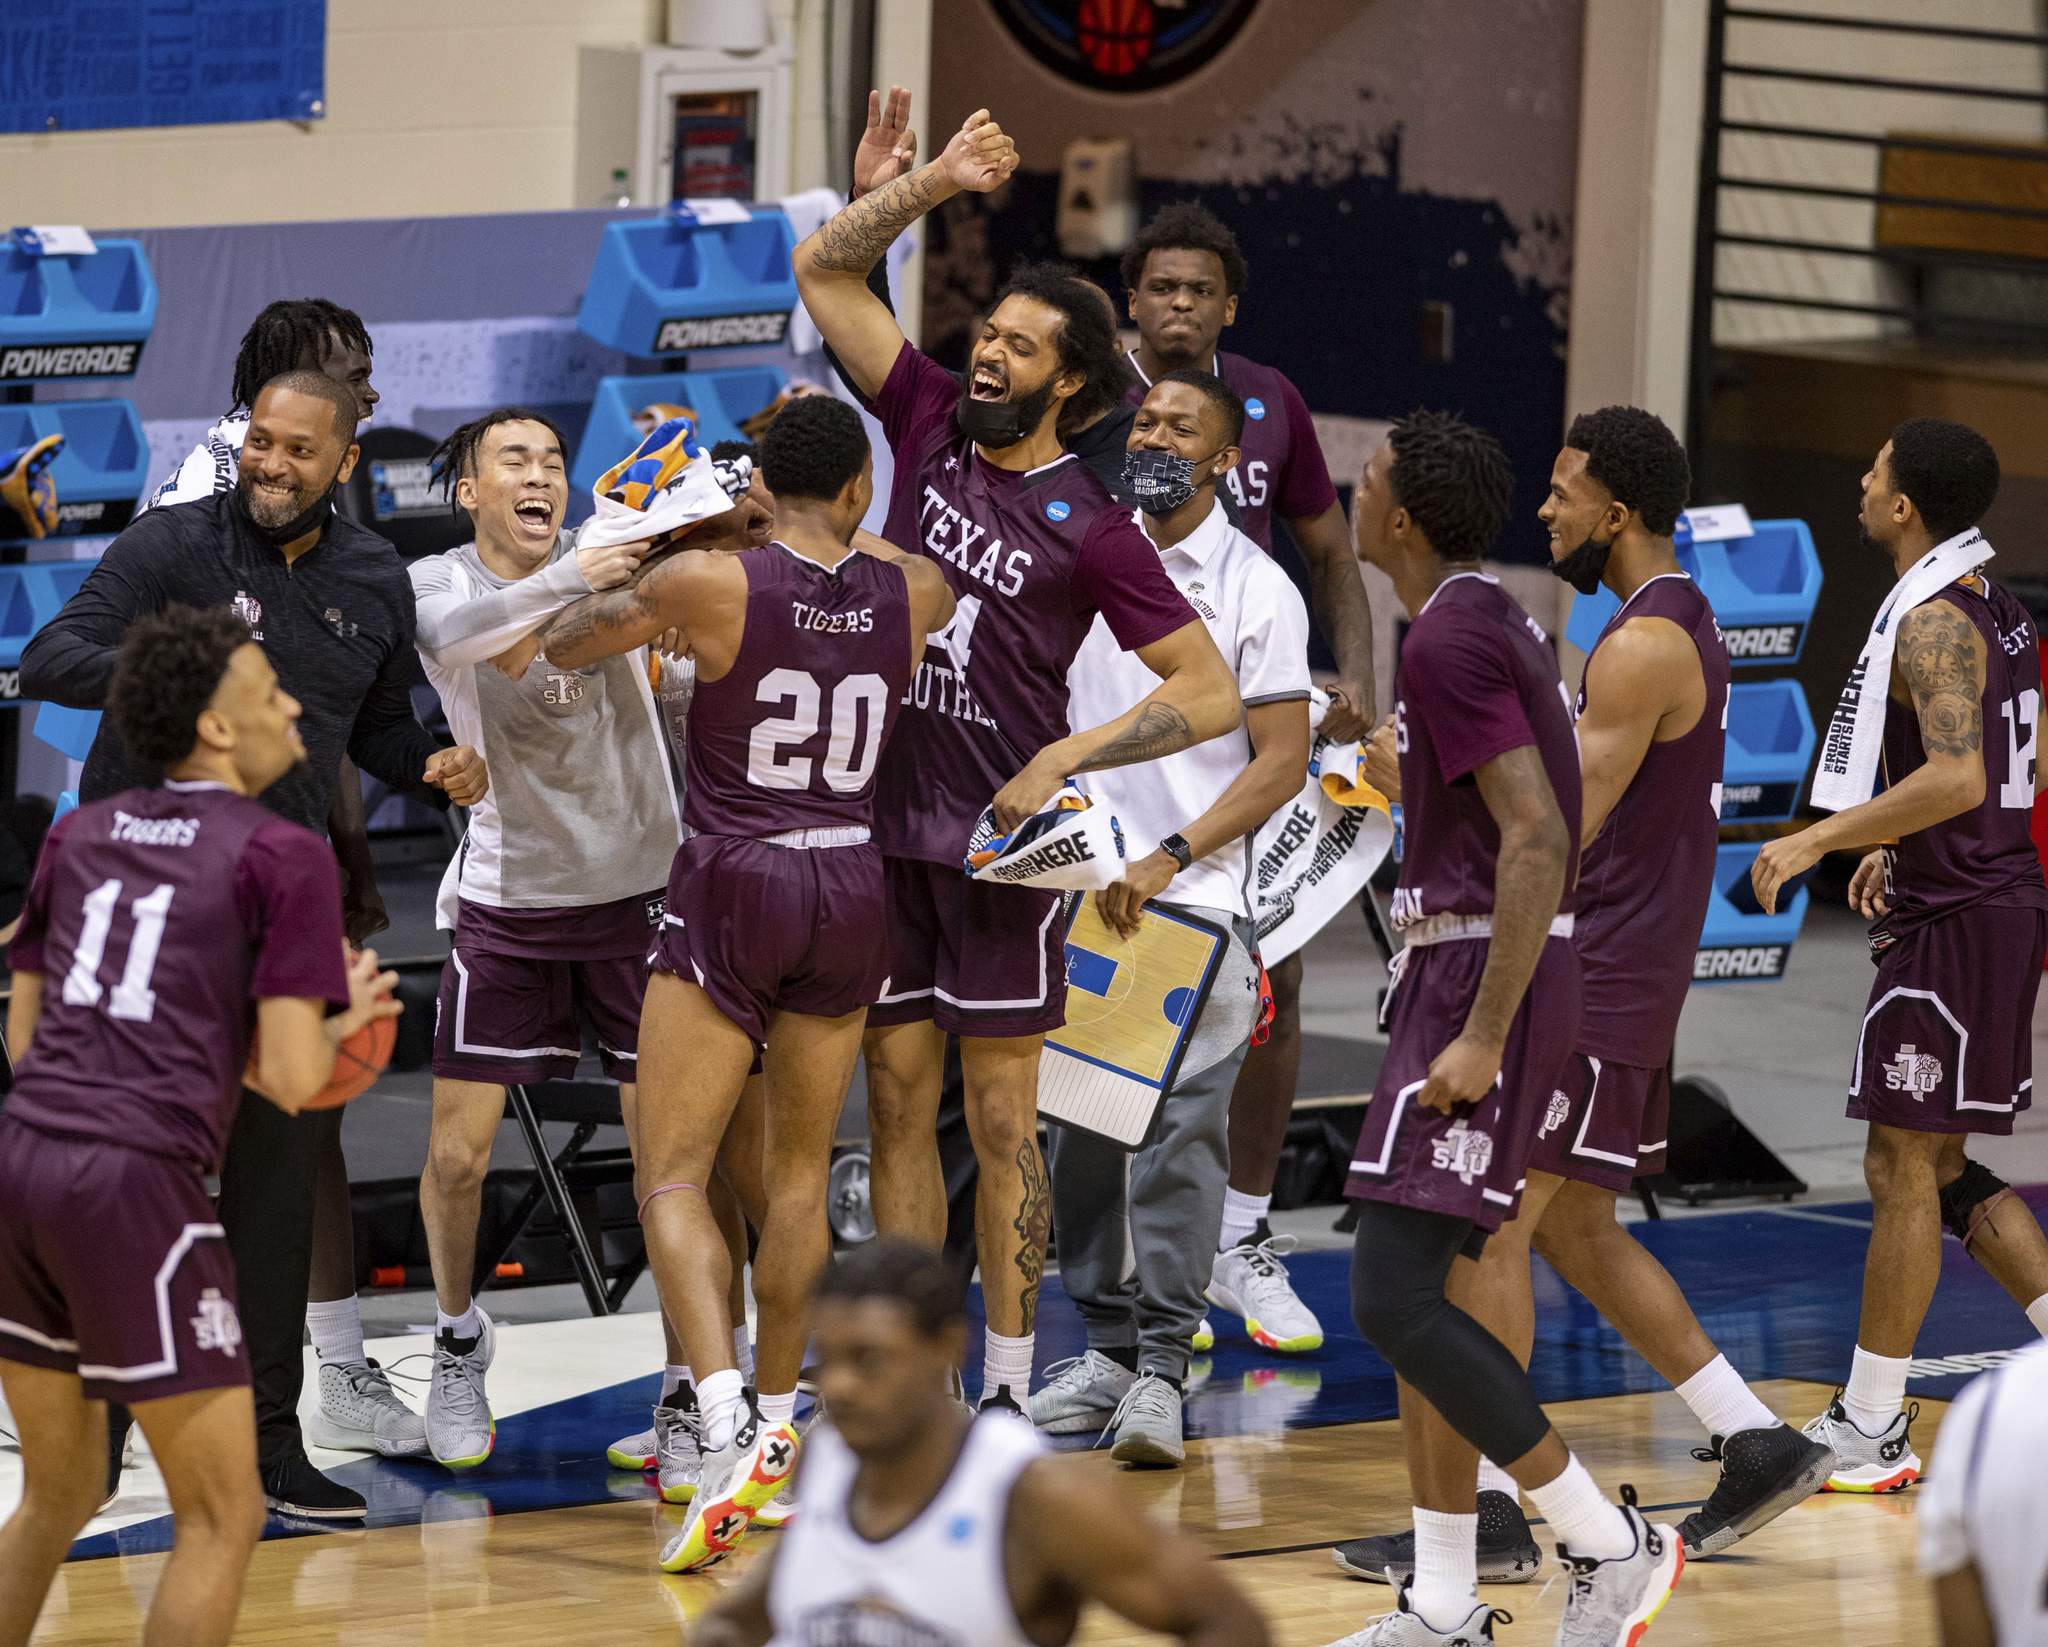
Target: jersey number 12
<point>2022,745</point>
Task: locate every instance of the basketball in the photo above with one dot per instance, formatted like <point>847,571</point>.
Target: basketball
<point>358,1061</point>
<point>1115,35</point>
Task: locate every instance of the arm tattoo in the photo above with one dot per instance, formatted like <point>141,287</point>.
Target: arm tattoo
<point>1160,729</point>
<point>1938,656</point>
<point>1033,1225</point>
<point>853,241</point>
<point>597,626</point>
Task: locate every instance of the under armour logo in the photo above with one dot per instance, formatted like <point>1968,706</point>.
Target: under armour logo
<point>1463,1151</point>
<point>1555,1115</point>
<point>952,463</point>
<point>216,1327</point>
<point>1913,1071</point>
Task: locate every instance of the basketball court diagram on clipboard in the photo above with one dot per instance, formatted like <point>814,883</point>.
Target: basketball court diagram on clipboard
<point>1132,1007</point>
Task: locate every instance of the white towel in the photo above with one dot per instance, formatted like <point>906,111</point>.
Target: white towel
<point>1847,772</point>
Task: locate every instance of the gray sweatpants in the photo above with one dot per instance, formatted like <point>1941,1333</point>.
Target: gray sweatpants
<point>1137,1233</point>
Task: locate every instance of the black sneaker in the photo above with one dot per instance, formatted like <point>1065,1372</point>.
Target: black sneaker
<point>1507,1549</point>
<point>295,1488</point>
<point>1763,1474</point>
<point>1001,1399</point>
<point>120,1428</point>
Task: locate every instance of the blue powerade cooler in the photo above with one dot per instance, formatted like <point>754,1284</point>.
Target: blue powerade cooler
<point>666,287</point>
<point>80,316</point>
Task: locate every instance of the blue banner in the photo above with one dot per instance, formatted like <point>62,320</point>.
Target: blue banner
<point>83,65</point>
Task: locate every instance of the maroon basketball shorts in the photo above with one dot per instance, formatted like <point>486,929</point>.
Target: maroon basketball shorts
<point>1470,1164</point>
<point>1947,1042</point>
<point>520,984</point>
<point>1607,1123</point>
<point>113,1266</point>
<point>765,929</point>
<point>974,958</point>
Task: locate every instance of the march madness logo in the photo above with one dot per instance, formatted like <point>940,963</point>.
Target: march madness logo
<point>1123,45</point>
<point>1913,1071</point>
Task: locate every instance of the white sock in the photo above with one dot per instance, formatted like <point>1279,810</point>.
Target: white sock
<point>1876,1392</point>
<point>673,1380</point>
<point>337,1329</point>
<point>743,1353</point>
<point>1721,1401</point>
<point>1493,1479</point>
<point>1241,1215</point>
<point>465,1325</point>
<point>2037,1312</point>
<point>778,1409</point>
<point>1446,1584</point>
<point>1005,1361</point>
<point>1585,1522</point>
<point>718,1399</point>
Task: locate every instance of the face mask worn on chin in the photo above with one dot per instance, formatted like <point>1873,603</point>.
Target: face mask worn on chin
<point>298,526</point>
<point>997,424</point>
<point>1160,482</point>
<point>1583,566</point>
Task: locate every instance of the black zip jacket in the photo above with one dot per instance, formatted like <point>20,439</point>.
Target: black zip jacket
<point>337,625</point>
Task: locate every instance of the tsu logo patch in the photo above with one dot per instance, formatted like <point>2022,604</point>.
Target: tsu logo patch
<point>1058,509</point>
<point>1463,1151</point>
<point>1554,1116</point>
<point>1255,409</point>
<point>1913,1071</point>
<point>562,689</point>
<point>250,610</point>
<point>216,1327</point>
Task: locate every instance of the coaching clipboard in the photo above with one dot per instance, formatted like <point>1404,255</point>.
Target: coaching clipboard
<point>1132,1005</point>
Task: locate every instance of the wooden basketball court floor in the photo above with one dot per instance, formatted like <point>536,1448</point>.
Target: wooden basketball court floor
<point>1287,1457</point>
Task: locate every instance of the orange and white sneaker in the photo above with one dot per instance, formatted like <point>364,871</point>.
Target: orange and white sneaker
<point>739,1480</point>
<point>1867,1463</point>
<point>1611,1602</point>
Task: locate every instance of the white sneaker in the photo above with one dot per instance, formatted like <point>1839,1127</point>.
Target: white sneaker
<point>633,1452</point>
<point>1611,1603</point>
<point>359,1412</point>
<point>1081,1395</point>
<point>1867,1463</point>
<point>1250,1281</point>
<point>460,1429</point>
<point>1205,1337</point>
<point>678,1453</point>
<point>1405,1627</point>
<point>739,1480</point>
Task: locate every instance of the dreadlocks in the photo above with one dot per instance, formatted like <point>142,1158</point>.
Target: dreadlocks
<point>456,456</point>
<point>289,334</point>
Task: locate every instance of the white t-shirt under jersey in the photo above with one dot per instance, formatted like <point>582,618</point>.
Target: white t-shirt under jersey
<point>211,466</point>
<point>1984,1500</point>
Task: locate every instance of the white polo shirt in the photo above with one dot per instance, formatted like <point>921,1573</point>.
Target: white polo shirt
<point>1260,625</point>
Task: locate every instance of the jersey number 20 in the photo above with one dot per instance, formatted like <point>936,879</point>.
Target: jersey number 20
<point>859,706</point>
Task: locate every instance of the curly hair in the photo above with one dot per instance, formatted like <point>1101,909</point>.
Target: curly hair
<point>167,669</point>
<point>1213,389</point>
<point>1637,458</point>
<point>456,456</point>
<point>813,448</point>
<point>1948,470</point>
<point>288,334</point>
<point>1187,226</point>
<point>1453,479</point>
<point>1085,338</point>
<point>726,450</point>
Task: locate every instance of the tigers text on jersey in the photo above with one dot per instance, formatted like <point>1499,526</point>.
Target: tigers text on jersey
<point>790,736</point>
<point>940,1582</point>
<point>157,917</point>
<point>1032,558</point>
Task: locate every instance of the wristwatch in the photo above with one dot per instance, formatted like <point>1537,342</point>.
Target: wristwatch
<point>1176,847</point>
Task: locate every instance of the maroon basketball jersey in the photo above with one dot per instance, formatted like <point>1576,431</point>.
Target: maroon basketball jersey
<point>790,736</point>
<point>1985,855</point>
<point>1032,558</point>
<point>158,917</point>
<point>1477,678</point>
<point>1282,471</point>
<point>1644,881</point>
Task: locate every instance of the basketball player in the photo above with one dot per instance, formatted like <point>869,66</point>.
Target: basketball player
<point>1959,922</point>
<point>358,1410</point>
<point>1649,717</point>
<point>1185,275</point>
<point>162,925</point>
<point>1981,1520</point>
<point>775,930</point>
<point>1034,548</point>
<point>1136,1231</point>
<point>925,1527</point>
<point>1484,1012</point>
<point>556,895</point>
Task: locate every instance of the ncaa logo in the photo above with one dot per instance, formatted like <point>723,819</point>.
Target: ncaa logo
<point>1058,509</point>
<point>1255,408</point>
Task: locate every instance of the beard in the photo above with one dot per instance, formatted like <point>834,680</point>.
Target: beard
<point>267,510</point>
<point>1583,566</point>
<point>1000,423</point>
<point>1869,543</point>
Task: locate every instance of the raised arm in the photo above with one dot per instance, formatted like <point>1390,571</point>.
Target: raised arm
<point>1939,668</point>
<point>832,264</point>
<point>1643,672</point>
<point>690,593</point>
<point>1196,700</point>
<point>1528,882</point>
<point>931,596</point>
<point>1344,614</point>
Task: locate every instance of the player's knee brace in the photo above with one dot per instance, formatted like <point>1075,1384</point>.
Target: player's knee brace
<point>1970,1199</point>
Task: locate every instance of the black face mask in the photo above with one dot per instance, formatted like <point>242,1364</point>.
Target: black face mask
<point>314,514</point>
<point>1160,482</point>
<point>997,424</point>
<point>1583,566</point>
